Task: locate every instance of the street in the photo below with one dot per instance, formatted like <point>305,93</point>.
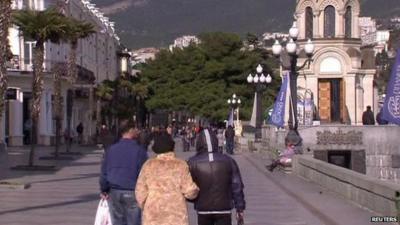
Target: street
<point>70,196</point>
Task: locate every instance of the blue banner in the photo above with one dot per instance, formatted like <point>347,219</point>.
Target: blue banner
<point>278,114</point>
<point>391,107</point>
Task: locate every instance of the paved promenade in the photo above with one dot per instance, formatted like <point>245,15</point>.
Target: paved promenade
<point>69,196</point>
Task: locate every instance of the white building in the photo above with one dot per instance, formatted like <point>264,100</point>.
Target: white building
<point>275,35</point>
<point>184,41</point>
<point>96,61</point>
<point>143,54</point>
<point>341,74</point>
<point>371,36</point>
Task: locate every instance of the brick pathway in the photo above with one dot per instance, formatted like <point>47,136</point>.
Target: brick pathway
<point>69,196</point>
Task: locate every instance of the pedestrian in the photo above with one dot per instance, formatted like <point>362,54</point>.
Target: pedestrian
<point>68,136</point>
<point>368,117</point>
<point>218,177</point>
<point>230,139</point>
<point>380,120</point>
<point>192,136</point>
<point>284,158</point>
<point>79,131</point>
<point>163,185</point>
<point>185,140</point>
<point>145,138</point>
<point>220,136</point>
<point>106,138</point>
<point>27,131</point>
<point>170,130</point>
<point>119,171</point>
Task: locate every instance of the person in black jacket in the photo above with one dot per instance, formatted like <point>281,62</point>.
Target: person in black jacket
<point>368,117</point>
<point>230,139</point>
<point>218,177</point>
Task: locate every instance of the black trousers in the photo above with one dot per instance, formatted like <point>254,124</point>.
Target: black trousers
<point>214,219</point>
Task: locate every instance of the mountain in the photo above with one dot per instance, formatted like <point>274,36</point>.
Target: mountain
<point>143,23</point>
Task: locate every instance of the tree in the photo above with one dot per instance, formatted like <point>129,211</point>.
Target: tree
<point>122,97</point>
<point>384,66</point>
<point>252,40</point>
<point>40,26</point>
<point>5,12</point>
<point>77,30</point>
<point>200,78</point>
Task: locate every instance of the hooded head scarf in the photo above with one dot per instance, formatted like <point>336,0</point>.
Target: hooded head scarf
<point>207,141</point>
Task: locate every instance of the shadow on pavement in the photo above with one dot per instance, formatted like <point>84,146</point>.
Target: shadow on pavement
<point>81,199</point>
<point>67,179</point>
<point>19,156</point>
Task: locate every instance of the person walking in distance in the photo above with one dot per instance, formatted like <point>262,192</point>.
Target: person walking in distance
<point>79,131</point>
<point>163,185</point>
<point>218,177</point>
<point>119,172</point>
<point>368,117</point>
<point>230,139</point>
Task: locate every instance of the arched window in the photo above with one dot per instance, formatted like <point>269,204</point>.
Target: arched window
<point>329,22</point>
<point>309,22</point>
<point>348,22</point>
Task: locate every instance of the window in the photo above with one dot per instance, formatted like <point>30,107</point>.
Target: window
<point>329,22</point>
<point>348,23</point>
<point>309,22</point>
<point>28,52</point>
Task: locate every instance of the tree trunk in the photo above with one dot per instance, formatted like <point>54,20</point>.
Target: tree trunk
<point>37,90</point>
<point>72,76</point>
<point>72,71</point>
<point>5,15</point>
<point>58,105</point>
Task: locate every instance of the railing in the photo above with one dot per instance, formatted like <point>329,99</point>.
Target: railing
<point>19,64</point>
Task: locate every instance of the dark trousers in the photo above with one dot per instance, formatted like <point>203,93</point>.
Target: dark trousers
<point>230,145</point>
<point>214,219</point>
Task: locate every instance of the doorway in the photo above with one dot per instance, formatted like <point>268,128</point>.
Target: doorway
<point>27,122</point>
<point>331,100</point>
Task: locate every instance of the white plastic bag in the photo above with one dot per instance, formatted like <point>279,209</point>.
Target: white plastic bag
<point>103,214</point>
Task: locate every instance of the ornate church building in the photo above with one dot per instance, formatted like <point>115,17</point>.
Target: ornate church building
<point>341,75</point>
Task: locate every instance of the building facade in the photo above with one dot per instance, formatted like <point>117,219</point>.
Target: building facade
<point>96,61</point>
<point>340,77</point>
<point>184,41</point>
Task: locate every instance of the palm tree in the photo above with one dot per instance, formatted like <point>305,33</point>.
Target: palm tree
<point>5,11</point>
<point>41,26</point>
<point>58,71</point>
<point>77,30</point>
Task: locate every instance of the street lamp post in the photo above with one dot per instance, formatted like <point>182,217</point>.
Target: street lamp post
<point>259,80</point>
<point>292,51</point>
<point>234,103</point>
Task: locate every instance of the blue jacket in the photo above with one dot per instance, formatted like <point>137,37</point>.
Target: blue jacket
<point>121,165</point>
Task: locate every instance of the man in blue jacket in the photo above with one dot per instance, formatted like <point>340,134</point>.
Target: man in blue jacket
<point>119,172</point>
<point>218,177</point>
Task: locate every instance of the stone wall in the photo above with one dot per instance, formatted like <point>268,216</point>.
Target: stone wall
<point>381,145</point>
<point>379,196</point>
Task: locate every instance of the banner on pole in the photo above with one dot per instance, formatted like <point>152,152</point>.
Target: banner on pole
<point>278,114</point>
<point>391,107</point>
<point>230,118</point>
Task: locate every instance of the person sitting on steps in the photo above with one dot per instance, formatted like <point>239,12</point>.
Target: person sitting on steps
<point>284,158</point>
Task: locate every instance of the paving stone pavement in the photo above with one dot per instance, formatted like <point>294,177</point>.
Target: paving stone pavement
<point>69,196</point>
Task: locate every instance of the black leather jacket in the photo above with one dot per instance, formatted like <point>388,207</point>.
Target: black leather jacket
<point>218,177</point>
